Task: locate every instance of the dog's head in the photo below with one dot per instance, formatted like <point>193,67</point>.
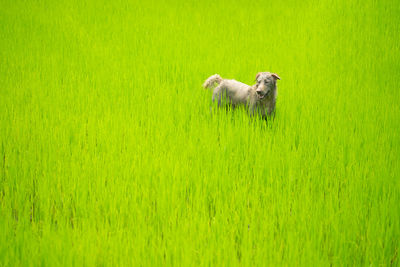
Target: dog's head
<point>265,83</point>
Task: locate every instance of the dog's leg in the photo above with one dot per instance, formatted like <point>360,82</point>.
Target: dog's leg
<point>218,94</point>
<point>252,108</point>
<point>269,113</point>
<point>270,110</point>
<point>252,104</point>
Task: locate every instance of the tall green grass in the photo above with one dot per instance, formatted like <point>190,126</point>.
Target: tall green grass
<point>110,154</point>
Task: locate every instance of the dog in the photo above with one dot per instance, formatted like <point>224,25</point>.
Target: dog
<point>259,98</point>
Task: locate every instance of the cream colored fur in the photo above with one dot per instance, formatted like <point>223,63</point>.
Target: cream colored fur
<point>259,98</point>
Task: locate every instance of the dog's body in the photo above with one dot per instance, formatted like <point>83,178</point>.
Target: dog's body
<point>260,98</point>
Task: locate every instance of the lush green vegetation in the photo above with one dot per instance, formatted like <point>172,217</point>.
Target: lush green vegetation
<point>110,154</point>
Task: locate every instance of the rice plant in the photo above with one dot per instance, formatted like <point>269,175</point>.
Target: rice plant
<point>111,156</point>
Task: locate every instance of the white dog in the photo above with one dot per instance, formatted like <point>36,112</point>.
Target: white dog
<point>260,98</point>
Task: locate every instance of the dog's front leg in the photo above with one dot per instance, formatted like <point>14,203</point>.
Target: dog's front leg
<point>268,114</point>
<point>252,108</point>
<point>217,94</point>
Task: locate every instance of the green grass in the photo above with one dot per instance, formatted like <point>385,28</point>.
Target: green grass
<point>110,155</point>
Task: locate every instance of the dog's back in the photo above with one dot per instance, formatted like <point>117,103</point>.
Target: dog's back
<point>237,92</point>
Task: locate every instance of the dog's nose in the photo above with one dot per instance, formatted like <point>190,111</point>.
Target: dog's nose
<point>259,92</point>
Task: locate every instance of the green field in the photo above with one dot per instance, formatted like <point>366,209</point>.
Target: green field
<point>110,155</point>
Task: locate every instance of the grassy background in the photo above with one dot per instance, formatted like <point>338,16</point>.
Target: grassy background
<point>110,156</point>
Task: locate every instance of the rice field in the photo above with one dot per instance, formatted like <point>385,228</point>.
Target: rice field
<point>110,155</point>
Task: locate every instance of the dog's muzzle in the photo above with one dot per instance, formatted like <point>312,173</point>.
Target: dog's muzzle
<point>261,94</point>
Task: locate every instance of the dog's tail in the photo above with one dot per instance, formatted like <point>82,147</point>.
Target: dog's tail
<point>211,81</point>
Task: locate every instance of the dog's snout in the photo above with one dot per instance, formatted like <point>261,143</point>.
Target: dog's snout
<point>259,92</point>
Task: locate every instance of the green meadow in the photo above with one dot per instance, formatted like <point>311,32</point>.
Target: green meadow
<point>111,156</point>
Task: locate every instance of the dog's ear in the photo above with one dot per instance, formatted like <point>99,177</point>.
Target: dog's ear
<point>258,74</point>
<point>275,76</point>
